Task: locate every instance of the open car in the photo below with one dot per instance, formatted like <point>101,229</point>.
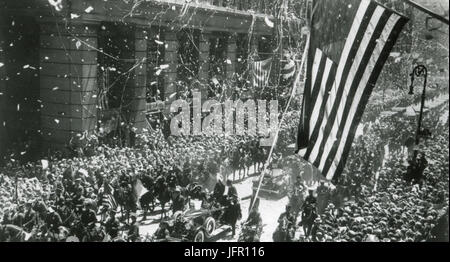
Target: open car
<point>274,184</point>
<point>194,225</point>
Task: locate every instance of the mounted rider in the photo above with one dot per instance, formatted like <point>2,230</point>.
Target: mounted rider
<point>310,200</point>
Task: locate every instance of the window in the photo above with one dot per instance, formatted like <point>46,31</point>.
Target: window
<point>242,52</point>
<point>188,55</point>
<point>218,55</point>
<point>116,58</point>
<point>265,47</point>
<point>217,62</point>
<point>155,58</point>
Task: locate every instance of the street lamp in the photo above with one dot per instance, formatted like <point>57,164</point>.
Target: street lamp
<point>419,71</point>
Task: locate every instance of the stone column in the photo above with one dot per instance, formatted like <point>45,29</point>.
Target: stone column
<point>203,75</point>
<point>138,106</point>
<point>68,81</point>
<point>170,73</point>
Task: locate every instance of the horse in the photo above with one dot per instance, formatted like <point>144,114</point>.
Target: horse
<point>147,202</point>
<point>126,199</point>
<point>162,193</point>
<point>308,217</point>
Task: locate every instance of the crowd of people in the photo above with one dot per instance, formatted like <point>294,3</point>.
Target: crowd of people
<point>69,187</point>
<point>382,202</point>
<point>61,197</point>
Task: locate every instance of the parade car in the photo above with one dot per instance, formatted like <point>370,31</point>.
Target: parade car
<point>194,225</point>
<point>274,184</point>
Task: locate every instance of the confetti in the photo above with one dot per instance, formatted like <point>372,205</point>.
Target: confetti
<point>89,9</point>
<point>57,121</point>
<point>268,22</point>
<point>78,44</point>
<point>73,16</point>
<point>57,4</point>
<point>159,42</point>
<point>1,64</point>
<point>164,66</point>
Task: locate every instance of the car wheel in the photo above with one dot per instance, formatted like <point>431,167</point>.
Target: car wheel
<point>199,236</point>
<point>210,226</point>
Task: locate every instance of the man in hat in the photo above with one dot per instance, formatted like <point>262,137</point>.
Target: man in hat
<point>30,216</point>
<point>310,200</point>
<point>112,225</point>
<point>88,216</point>
<point>286,222</point>
<point>133,229</point>
<point>53,220</point>
<point>19,216</point>
<point>178,201</point>
<point>233,213</point>
<point>232,191</point>
<point>322,197</point>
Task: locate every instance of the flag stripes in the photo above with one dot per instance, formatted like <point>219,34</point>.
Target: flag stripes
<point>261,73</point>
<point>288,69</point>
<point>338,94</point>
<point>108,198</point>
<point>109,201</point>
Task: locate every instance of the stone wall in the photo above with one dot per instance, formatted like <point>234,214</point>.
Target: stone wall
<point>68,82</point>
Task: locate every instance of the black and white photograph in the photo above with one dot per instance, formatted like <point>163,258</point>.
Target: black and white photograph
<point>224,121</point>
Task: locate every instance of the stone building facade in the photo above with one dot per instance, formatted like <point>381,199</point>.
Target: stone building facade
<point>56,60</point>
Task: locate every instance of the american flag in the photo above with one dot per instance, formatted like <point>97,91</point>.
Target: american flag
<point>261,73</point>
<point>288,69</point>
<point>108,199</point>
<point>350,42</point>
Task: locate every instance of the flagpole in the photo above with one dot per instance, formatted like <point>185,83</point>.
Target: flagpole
<point>429,12</point>
<point>294,89</point>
